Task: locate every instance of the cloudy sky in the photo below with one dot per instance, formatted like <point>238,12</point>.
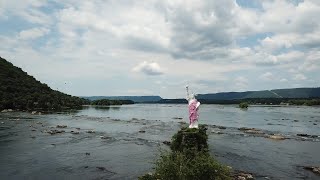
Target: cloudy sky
<point>126,47</point>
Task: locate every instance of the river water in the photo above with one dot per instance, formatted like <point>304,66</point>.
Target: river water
<point>127,139</point>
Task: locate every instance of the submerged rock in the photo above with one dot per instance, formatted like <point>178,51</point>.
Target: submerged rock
<point>253,131</point>
<point>308,136</point>
<point>142,131</point>
<point>5,110</point>
<point>182,122</point>
<point>55,131</point>
<point>276,137</point>
<point>104,137</point>
<point>221,127</point>
<point>314,169</point>
<point>91,131</point>
<point>167,143</point>
<point>75,132</point>
<point>61,126</point>
<point>217,132</point>
<point>245,128</point>
<point>177,118</point>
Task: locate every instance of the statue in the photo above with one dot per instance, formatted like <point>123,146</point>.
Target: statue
<point>193,109</point>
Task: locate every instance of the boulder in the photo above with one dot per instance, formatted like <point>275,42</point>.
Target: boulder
<point>34,112</point>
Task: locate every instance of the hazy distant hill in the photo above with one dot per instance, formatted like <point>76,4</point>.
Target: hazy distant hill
<point>136,99</point>
<point>276,93</point>
<point>18,90</point>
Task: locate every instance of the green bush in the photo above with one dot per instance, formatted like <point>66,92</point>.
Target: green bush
<point>178,165</point>
<point>243,105</point>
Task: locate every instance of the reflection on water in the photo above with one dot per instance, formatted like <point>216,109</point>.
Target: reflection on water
<point>117,142</point>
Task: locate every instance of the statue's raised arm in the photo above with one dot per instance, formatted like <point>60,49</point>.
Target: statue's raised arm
<point>188,96</point>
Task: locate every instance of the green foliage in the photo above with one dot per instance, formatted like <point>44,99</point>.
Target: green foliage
<point>18,90</point>
<point>190,140</point>
<point>189,159</point>
<point>107,102</point>
<point>243,105</point>
<point>295,93</point>
<point>178,165</point>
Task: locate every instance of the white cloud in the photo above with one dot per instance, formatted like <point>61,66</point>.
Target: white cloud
<point>148,68</point>
<point>299,77</point>
<point>268,76</point>
<point>33,33</point>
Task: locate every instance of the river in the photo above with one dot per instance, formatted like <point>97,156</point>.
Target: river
<point>122,142</point>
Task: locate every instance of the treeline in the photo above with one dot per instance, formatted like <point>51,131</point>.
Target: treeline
<point>262,101</point>
<point>107,102</point>
<point>20,91</point>
<point>306,102</point>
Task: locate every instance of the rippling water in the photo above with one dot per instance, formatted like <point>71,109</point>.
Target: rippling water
<point>117,150</point>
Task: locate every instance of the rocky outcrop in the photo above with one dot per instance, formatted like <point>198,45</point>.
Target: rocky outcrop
<point>242,176</point>
<point>314,169</point>
<point>276,137</point>
<point>61,126</point>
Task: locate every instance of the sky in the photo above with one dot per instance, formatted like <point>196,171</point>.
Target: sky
<point>149,47</point>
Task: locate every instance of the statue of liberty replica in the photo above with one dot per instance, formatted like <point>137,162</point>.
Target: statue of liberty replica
<point>193,106</point>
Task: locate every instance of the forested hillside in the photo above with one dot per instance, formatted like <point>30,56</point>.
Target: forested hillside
<point>18,90</point>
<point>276,93</point>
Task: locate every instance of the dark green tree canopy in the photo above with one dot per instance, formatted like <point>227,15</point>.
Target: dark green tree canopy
<point>18,90</point>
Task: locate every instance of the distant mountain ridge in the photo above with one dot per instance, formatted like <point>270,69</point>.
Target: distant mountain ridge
<point>223,97</point>
<point>136,99</point>
<point>276,93</point>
